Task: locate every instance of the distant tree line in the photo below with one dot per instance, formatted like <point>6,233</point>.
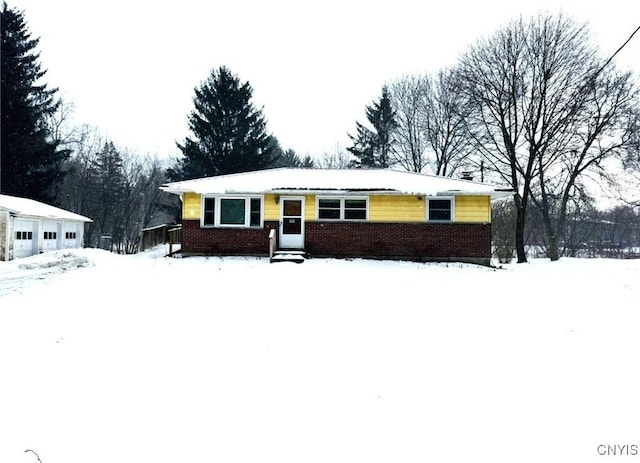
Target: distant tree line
<point>589,232</point>
<point>119,191</point>
<point>534,106</point>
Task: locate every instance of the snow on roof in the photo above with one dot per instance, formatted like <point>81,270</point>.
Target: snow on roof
<point>291,180</point>
<point>31,208</point>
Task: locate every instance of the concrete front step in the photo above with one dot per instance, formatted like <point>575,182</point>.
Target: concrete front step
<point>284,255</point>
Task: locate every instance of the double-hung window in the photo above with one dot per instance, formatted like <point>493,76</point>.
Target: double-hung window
<point>231,211</point>
<point>343,209</point>
<point>440,209</point>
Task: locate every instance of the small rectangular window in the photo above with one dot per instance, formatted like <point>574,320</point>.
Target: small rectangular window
<point>209,211</point>
<point>256,212</point>
<point>355,209</point>
<point>440,210</point>
<point>70,235</point>
<point>329,209</point>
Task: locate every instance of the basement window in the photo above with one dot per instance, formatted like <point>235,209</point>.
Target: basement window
<point>440,210</point>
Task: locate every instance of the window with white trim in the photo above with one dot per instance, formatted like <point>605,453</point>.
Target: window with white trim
<point>440,209</point>
<point>349,208</point>
<point>231,211</point>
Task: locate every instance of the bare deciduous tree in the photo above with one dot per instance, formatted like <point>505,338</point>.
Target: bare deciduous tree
<point>533,91</point>
<point>493,83</point>
<point>117,190</point>
<point>338,158</point>
<point>408,97</point>
<point>602,127</point>
<point>446,130</point>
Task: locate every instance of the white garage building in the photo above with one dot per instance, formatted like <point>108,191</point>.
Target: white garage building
<point>29,227</point>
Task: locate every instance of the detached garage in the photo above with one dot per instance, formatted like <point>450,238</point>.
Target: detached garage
<point>29,227</point>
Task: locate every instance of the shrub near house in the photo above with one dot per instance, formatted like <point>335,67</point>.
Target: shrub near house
<point>375,213</point>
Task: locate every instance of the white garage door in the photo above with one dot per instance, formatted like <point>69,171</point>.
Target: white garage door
<point>25,238</point>
<point>71,236</point>
<point>50,238</point>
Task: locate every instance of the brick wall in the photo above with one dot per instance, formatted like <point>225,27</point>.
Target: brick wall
<point>422,241</point>
<point>416,241</point>
<point>250,241</point>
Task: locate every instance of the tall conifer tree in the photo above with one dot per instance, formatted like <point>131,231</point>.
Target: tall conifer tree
<point>373,148</point>
<point>229,132</point>
<point>30,163</point>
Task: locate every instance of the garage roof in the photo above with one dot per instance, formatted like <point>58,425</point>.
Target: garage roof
<point>29,208</point>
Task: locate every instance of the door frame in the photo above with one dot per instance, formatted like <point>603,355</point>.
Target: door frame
<point>298,244</point>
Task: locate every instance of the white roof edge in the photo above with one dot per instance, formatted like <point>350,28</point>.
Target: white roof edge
<point>334,181</point>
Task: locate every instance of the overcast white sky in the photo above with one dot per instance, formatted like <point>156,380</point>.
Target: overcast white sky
<point>130,66</point>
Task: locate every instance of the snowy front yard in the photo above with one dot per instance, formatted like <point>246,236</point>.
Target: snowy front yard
<point>132,359</point>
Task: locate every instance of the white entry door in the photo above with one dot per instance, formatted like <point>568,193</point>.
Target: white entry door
<point>291,223</point>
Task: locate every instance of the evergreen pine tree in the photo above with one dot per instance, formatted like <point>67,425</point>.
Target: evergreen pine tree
<point>288,157</point>
<point>373,148</point>
<point>229,132</point>
<point>107,189</point>
<point>30,162</point>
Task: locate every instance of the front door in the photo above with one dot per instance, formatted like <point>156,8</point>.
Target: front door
<point>291,223</point>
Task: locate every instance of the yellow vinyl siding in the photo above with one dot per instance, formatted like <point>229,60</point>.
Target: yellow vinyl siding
<point>382,208</point>
<point>473,209</point>
<point>271,208</point>
<point>309,208</point>
<point>191,206</point>
<point>391,208</point>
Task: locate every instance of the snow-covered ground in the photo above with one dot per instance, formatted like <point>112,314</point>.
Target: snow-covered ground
<point>132,359</point>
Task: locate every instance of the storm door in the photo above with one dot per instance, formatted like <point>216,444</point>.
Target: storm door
<point>291,223</point>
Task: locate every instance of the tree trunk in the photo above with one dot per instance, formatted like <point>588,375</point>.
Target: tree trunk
<point>520,221</point>
<point>553,251</point>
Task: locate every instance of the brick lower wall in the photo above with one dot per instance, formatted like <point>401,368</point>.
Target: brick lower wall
<point>415,241</point>
<point>420,241</point>
<point>240,241</point>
